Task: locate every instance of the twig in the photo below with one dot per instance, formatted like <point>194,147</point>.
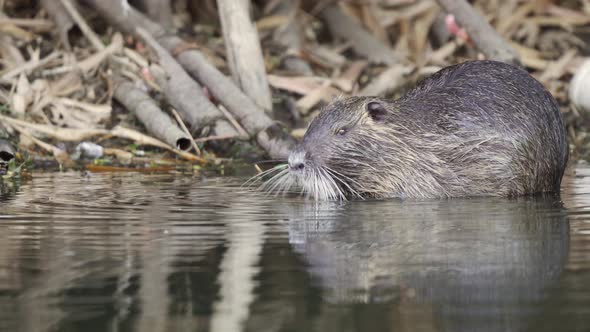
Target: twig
<point>160,10</point>
<point>30,65</point>
<point>299,84</point>
<point>325,92</point>
<point>136,57</point>
<point>140,138</point>
<point>60,15</point>
<point>186,131</point>
<point>68,134</point>
<point>270,135</point>
<point>439,55</point>
<point>84,27</point>
<point>150,115</point>
<point>480,31</point>
<point>290,35</point>
<point>233,121</point>
<point>557,68</point>
<point>102,110</point>
<point>214,138</point>
<point>531,58</point>
<point>28,23</point>
<point>60,155</point>
<point>92,61</point>
<point>244,54</point>
<point>348,80</point>
<point>63,134</point>
<point>181,90</point>
<point>387,82</point>
<point>364,43</point>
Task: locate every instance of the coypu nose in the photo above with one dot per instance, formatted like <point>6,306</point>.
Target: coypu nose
<point>299,166</point>
<point>296,161</point>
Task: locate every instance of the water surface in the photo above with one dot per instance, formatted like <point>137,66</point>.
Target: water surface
<point>135,252</point>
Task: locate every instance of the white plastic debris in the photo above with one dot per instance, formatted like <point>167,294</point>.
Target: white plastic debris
<point>580,87</point>
<point>87,150</point>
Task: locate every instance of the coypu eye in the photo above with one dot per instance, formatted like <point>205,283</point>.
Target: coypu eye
<point>341,131</point>
<point>376,110</point>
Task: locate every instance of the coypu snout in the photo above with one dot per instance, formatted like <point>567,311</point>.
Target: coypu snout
<point>296,161</point>
<point>319,164</point>
<point>480,128</point>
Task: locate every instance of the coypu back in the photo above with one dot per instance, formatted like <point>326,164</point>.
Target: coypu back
<point>480,128</point>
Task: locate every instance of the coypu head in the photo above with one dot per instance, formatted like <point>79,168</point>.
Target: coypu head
<point>336,158</point>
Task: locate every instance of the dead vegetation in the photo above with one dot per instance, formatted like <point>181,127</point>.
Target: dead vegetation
<point>204,79</point>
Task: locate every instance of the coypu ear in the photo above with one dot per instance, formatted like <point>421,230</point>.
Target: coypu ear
<point>376,110</point>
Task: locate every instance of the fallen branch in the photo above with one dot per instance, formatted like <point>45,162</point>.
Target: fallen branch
<point>150,115</point>
<point>269,135</point>
<point>62,134</point>
<point>349,79</point>
<point>387,82</point>
<point>557,68</point>
<point>12,56</point>
<point>140,138</point>
<point>92,61</point>
<point>34,23</point>
<point>324,92</point>
<point>214,138</point>
<point>244,54</point>
<point>86,30</point>
<point>122,155</point>
<point>290,35</point>
<point>64,22</point>
<point>160,11</point>
<point>180,89</point>
<point>60,155</point>
<point>487,40</point>
<point>240,131</point>
<point>69,134</point>
<point>302,85</point>
<point>29,66</point>
<point>530,57</point>
<point>363,43</point>
<point>185,130</point>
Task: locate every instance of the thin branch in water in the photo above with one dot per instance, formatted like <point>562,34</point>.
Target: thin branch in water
<point>186,131</point>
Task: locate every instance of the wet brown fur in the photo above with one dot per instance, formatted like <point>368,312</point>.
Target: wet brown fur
<point>480,128</point>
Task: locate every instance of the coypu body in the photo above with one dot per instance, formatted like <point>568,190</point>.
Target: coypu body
<point>480,128</point>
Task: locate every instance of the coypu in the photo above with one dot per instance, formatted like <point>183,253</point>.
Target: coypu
<point>480,128</point>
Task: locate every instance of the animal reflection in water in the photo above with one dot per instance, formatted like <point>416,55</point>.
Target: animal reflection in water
<point>477,265</point>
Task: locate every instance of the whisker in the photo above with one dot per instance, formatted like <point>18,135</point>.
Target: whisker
<point>276,180</point>
<point>339,194</point>
<point>279,185</point>
<point>345,177</point>
<point>287,186</point>
<point>318,183</point>
<point>327,189</point>
<point>286,182</point>
<point>338,176</point>
<point>260,176</point>
<point>334,191</point>
<point>268,161</point>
